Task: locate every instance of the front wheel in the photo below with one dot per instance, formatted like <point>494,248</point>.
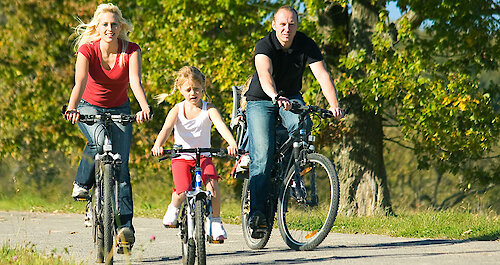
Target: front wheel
<point>108,213</point>
<point>188,244</point>
<point>199,215</point>
<point>304,224</point>
<point>252,243</point>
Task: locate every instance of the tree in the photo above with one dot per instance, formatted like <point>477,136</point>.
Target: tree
<point>425,84</point>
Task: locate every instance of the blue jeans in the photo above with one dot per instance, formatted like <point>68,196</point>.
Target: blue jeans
<point>121,137</point>
<point>261,118</point>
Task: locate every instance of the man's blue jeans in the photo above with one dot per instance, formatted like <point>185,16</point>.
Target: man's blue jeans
<point>261,118</point>
<point>121,137</point>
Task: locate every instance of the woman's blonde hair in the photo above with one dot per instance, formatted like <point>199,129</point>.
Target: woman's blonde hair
<point>186,73</point>
<point>87,32</point>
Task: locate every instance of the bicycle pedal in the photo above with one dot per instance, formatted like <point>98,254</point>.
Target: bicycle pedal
<point>211,241</point>
<point>81,199</point>
<point>172,225</point>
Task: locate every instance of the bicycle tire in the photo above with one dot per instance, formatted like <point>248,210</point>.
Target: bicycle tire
<point>303,226</point>
<point>199,216</point>
<point>97,233</point>
<point>107,218</point>
<point>252,243</point>
<point>188,245</point>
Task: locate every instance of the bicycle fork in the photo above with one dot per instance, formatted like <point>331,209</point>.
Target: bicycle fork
<point>107,157</point>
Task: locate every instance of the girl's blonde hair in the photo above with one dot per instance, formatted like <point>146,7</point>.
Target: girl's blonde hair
<point>186,73</point>
<point>87,32</point>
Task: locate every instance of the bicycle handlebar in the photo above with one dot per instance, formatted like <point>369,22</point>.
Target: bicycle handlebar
<point>176,151</point>
<point>93,118</point>
<point>298,108</point>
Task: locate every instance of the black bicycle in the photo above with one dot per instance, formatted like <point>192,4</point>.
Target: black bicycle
<point>304,187</point>
<point>102,205</point>
<point>196,208</point>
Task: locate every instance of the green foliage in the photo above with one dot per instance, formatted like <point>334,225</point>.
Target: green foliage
<point>427,84</point>
<point>445,114</point>
<point>28,254</point>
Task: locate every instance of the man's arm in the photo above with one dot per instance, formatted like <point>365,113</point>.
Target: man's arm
<point>327,87</point>
<point>264,68</point>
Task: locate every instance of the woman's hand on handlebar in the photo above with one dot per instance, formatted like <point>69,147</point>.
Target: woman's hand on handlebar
<point>143,115</point>
<point>157,150</point>
<point>72,115</point>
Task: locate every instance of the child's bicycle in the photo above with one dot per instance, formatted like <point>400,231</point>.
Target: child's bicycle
<point>304,187</point>
<point>196,208</point>
<point>102,204</point>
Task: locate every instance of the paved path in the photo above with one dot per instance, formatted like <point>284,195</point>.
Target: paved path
<point>65,234</point>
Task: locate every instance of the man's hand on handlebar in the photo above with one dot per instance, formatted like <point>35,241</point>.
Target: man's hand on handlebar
<point>282,102</point>
<point>337,112</point>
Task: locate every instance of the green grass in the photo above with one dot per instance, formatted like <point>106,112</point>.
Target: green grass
<point>29,255</point>
<point>451,224</point>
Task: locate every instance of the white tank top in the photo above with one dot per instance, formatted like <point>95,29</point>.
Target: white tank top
<point>194,132</point>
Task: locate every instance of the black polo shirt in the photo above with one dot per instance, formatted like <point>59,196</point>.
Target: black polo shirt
<point>288,66</point>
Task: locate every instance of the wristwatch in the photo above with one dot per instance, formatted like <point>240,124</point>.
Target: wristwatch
<point>275,99</point>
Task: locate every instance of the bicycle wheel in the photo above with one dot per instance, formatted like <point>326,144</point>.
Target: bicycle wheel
<point>304,225</point>
<point>188,245</point>
<point>107,218</point>
<point>199,217</point>
<point>252,243</point>
<point>97,224</point>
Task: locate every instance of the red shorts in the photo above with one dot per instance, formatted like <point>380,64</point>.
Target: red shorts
<point>181,171</point>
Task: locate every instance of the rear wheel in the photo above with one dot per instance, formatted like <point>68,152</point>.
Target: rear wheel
<point>252,243</point>
<point>304,224</point>
<point>108,226</point>
<point>199,215</point>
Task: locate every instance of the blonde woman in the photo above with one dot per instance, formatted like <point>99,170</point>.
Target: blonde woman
<point>107,63</point>
<point>191,120</point>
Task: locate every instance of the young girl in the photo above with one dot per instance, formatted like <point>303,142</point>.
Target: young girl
<point>192,120</point>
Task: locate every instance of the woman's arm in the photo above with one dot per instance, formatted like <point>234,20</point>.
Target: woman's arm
<point>135,68</point>
<point>221,127</point>
<point>81,76</point>
<point>165,132</point>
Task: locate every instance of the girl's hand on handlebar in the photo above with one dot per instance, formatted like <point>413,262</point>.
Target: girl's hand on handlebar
<point>143,115</point>
<point>72,115</point>
<point>157,150</point>
<point>337,112</point>
<point>232,150</point>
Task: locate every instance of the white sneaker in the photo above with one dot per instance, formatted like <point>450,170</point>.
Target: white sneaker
<point>244,161</point>
<point>79,192</point>
<point>218,231</point>
<point>170,217</point>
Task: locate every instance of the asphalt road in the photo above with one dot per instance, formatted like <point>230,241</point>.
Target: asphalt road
<point>66,235</point>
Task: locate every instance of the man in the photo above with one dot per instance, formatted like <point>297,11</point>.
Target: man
<point>280,61</point>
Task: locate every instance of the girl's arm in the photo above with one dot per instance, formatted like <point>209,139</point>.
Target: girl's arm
<point>135,69</point>
<point>221,127</point>
<point>165,132</point>
<point>81,76</point>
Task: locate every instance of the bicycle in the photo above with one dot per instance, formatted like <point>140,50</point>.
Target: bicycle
<point>304,187</point>
<point>196,208</point>
<point>102,205</point>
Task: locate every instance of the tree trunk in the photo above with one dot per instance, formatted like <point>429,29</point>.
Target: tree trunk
<point>360,161</point>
